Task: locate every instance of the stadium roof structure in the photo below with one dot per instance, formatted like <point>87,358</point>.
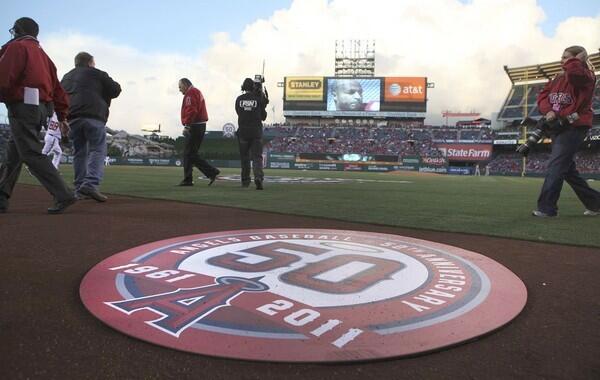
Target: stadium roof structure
<point>545,71</point>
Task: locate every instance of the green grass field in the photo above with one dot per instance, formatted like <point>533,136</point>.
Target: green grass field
<point>496,206</point>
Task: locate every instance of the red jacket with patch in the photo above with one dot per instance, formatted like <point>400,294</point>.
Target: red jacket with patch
<point>193,108</point>
<point>570,92</point>
<point>23,63</point>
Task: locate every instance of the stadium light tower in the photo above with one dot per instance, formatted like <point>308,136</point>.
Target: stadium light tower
<point>354,58</point>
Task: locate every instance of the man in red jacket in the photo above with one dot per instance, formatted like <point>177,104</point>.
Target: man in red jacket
<point>568,98</point>
<point>194,118</point>
<point>31,91</point>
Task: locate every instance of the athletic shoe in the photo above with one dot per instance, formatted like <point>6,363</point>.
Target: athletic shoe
<point>591,213</point>
<point>185,183</point>
<point>541,214</point>
<point>94,194</point>
<point>60,207</point>
<point>245,184</point>
<point>259,184</point>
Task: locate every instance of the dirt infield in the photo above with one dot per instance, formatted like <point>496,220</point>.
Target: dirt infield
<point>46,332</point>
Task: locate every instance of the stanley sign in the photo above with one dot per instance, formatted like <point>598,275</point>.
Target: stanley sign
<point>304,89</point>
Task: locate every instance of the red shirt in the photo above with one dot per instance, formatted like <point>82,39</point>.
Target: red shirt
<point>23,63</point>
<point>193,108</point>
<point>570,92</point>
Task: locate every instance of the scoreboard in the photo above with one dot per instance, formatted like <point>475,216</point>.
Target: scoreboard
<point>379,97</point>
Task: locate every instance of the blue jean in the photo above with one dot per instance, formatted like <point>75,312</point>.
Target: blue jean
<point>561,167</point>
<point>89,152</point>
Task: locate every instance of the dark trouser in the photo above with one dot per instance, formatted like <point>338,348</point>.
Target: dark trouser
<point>25,147</point>
<point>561,167</point>
<point>251,150</point>
<point>191,157</point>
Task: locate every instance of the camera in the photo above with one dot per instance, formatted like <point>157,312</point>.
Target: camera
<point>544,128</point>
<point>259,88</point>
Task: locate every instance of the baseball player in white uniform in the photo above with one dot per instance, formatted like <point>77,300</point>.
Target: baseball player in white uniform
<point>52,141</point>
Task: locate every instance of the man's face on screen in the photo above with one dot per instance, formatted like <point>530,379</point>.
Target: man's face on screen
<point>348,96</point>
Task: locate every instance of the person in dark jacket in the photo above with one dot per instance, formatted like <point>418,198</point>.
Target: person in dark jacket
<point>90,93</point>
<point>30,89</point>
<point>251,110</point>
<point>194,117</point>
<point>568,99</point>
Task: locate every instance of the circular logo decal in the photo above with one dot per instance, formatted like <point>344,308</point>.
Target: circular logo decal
<point>228,130</point>
<point>302,294</point>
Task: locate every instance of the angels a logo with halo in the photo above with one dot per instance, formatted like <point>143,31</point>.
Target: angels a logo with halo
<point>302,295</point>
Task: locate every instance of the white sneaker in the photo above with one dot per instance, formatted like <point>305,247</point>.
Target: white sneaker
<point>591,213</point>
<point>540,214</point>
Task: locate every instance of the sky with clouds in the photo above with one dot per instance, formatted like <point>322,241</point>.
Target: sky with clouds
<point>462,46</point>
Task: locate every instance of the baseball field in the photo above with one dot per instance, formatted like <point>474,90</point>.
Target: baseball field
<point>494,205</point>
<point>47,333</point>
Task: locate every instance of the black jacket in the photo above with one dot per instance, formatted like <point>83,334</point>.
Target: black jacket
<point>90,91</point>
<point>251,111</point>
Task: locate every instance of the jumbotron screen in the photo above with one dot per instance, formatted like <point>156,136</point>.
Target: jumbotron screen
<point>355,97</point>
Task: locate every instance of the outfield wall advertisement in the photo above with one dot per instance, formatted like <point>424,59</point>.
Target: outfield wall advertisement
<point>341,162</point>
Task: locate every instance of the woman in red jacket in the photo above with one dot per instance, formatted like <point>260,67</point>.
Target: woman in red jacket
<point>568,97</point>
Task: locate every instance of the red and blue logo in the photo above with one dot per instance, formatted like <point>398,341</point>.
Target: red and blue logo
<point>302,294</point>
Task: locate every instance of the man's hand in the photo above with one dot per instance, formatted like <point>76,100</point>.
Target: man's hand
<point>186,132</point>
<point>64,131</point>
<point>550,116</point>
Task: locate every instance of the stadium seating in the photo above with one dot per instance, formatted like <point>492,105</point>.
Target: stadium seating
<point>414,140</point>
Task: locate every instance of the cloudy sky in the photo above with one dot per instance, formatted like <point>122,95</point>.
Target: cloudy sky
<point>461,46</point>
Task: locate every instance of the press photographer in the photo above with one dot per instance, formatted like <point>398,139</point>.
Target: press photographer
<point>251,110</point>
<point>567,100</point>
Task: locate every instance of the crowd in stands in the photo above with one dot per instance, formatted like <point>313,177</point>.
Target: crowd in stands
<point>408,141</point>
<point>511,163</point>
<point>385,140</point>
<point>363,140</point>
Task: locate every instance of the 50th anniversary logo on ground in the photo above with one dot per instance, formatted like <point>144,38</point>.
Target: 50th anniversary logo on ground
<point>302,295</point>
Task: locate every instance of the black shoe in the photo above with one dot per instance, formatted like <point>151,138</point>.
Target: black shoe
<point>213,178</point>
<point>60,207</point>
<point>259,184</point>
<point>94,194</point>
<point>245,184</point>
<point>185,183</point>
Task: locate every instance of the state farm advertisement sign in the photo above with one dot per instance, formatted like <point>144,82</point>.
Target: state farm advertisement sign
<point>466,152</point>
